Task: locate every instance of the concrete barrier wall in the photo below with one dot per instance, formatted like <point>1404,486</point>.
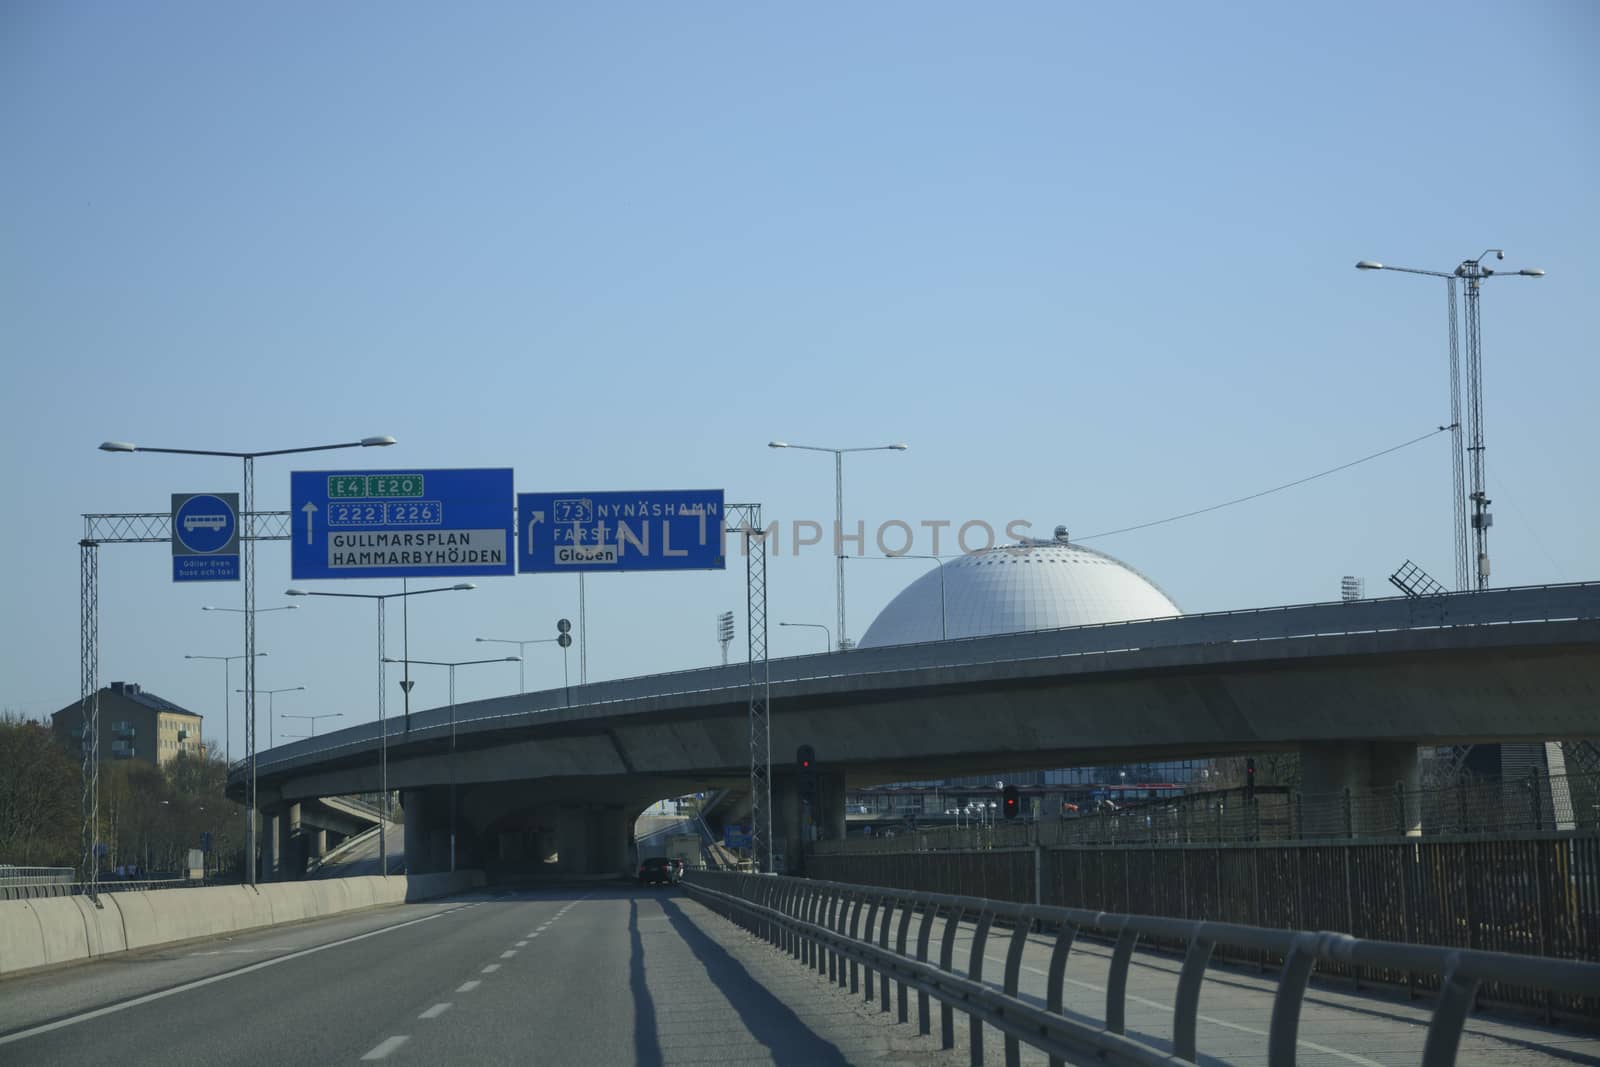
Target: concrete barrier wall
<point>53,930</point>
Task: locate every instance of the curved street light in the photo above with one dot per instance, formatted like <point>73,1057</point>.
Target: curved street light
<point>838,515</point>
<point>247,567</point>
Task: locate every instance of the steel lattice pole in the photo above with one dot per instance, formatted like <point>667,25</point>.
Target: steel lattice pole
<point>383,753</point>
<point>1479,495</point>
<point>247,517</point>
<point>838,544</point>
<point>89,685</point>
<point>1457,466</point>
<point>755,546</point>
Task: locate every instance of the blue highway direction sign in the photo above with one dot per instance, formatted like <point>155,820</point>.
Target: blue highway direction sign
<point>205,537</point>
<point>671,530</point>
<point>401,523</point>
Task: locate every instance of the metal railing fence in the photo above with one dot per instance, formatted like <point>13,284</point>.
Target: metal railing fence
<point>821,924</point>
<point>78,889</point>
<point>1534,893</point>
<point>12,875</point>
<point>1537,802</point>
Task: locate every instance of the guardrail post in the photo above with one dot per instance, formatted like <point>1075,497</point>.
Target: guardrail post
<point>947,952</point>
<point>883,943</point>
<point>1186,1005</point>
<point>854,935</point>
<point>1456,994</point>
<point>1013,977</point>
<point>1117,980</point>
<point>830,909</point>
<point>872,917</point>
<point>1283,1032</point>
<point>1056,976</point>
<point>980,937</point>
<point>924,932</point>
<point>900,947</point>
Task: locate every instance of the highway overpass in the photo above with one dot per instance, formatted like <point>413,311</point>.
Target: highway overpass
<point>544,785</point>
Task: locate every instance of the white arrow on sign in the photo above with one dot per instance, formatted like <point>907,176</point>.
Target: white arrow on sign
<point>310,509</point>
<point>534,518</point>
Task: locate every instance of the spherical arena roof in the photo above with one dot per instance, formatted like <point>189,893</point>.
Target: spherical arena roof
<point>1031,585</point>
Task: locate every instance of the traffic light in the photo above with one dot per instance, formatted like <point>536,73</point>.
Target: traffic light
<point>806,763</point>
<point>1010,802</point>
<point>1250,779</point>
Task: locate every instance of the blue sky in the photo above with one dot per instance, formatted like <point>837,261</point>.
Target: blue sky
<point>1092,263</point>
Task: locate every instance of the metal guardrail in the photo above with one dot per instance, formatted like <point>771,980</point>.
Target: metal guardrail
<point>79,889</point>
<point>1550,603</point>
<point>12,875</point>
<point>1536,803</point>
<point>820,924</point>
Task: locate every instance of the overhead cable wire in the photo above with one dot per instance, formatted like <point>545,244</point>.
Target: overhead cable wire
<point>1274,489</point>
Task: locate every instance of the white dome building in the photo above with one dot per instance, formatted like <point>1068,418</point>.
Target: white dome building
<point>1032,585</point>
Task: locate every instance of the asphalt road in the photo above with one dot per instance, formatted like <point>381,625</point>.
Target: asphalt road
<point>613,975</point>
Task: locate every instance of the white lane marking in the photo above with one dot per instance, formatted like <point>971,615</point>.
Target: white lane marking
<point>467,987</point>
<point>508,953</point>
<point>533,935</point>
<point>435,1011</point>
<point>111,1009</point>
<point>386,1046</point>
<point>1213,1020</point>
<point>490,969</point>
<point>522,944</point>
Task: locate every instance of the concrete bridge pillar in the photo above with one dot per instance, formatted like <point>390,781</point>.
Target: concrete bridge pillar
<point>423,831</point>
<point>316,844</point>
<point>1365,768</point>
<point>271,846</point>
<point>291,845</point>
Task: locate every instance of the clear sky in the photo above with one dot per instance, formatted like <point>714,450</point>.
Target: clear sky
<point>1092,262</point>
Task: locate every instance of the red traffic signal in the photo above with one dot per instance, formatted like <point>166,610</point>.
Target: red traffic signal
<point>1010,802</point>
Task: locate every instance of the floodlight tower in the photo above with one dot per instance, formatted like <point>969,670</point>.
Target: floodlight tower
<point>1472,274</point>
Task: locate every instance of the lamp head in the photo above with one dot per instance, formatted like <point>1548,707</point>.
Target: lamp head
<point>377,442</point>
<point>117,446</point>
<point>295,592</point>
<point>770,444</point>
<point>1369,264</point>
<point>463,586</point>
<point>899,446</point>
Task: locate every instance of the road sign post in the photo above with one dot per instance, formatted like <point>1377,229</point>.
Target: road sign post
<point>573,533</point>
<point>401,523</point>
<point>205,537</point>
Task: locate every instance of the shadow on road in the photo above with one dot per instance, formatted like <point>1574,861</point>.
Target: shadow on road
<point>789,1040</point>
<point>646,1042</point>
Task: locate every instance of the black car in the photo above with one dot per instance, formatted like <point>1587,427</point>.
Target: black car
<point>658,870</point>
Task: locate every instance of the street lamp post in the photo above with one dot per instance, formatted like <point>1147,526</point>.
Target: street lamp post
<point>383,720</point>
<point>314,718</point>
<point>828,637</point>
<point>247,564</point>
<point>227,698</point>
<point>271,693</point>
<point>1473,274</point>
<point>838,516</point>
<point>452,668</point>
<point>522,651</point>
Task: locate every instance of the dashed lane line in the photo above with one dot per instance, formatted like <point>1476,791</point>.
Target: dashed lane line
<point>435,1011</point>
<point>386,1046</point>
<point>490,969</point>
<point>467,987</point>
